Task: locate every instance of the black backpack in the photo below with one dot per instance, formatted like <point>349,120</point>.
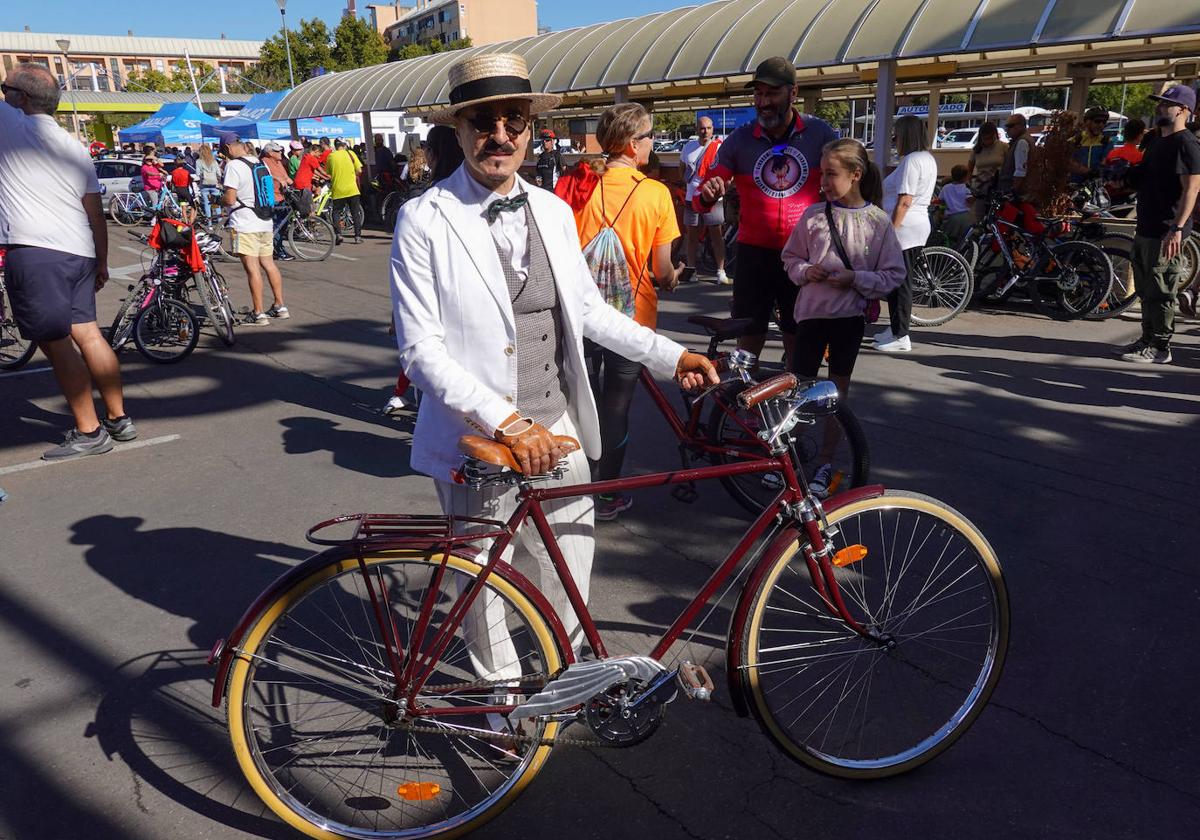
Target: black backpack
<point>264,189</point>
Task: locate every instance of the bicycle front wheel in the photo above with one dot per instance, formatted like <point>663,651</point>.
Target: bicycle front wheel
<point>125,209</point>
<point>310,239</point>
<point>220,311</point>
<point>942,283</point>
<point>316,724</point>
<point>1118,247</point>
<point>931,587</point>
<point>837,440</point>
<point>165,332</point>
<point>1079,280</point>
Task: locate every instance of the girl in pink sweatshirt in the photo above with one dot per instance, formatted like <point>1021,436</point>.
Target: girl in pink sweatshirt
<point>835,283</point>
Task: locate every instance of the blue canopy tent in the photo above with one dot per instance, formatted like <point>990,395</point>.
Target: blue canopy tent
<point>253,122</point>
<point>172,124</point>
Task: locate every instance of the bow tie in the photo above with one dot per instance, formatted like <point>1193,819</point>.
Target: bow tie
<point>506,205</point>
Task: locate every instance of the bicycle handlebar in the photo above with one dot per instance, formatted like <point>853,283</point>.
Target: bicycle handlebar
<point>773,387</point>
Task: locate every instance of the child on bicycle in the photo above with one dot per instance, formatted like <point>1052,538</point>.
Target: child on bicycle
<point>845,257</point>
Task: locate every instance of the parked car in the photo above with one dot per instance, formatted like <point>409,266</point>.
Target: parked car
<point>965,138</point>
<point>116,175</point>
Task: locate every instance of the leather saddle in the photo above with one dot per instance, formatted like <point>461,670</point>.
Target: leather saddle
<point>723,329</point>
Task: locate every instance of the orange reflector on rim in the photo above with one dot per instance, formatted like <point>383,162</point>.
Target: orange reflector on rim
<point>419,791</point>
<point>849,554</point>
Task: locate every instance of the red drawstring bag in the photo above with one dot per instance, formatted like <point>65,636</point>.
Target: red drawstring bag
<point>576,185</point>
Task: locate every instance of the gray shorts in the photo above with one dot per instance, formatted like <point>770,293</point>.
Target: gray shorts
<point>715,216</point>
<point>50,291</point>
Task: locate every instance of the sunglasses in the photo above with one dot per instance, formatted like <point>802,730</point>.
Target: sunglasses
<point>485,123</point>
<point>645,136</point>
<point>7,89</point>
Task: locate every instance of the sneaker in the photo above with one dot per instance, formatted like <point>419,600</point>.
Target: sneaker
<point>608,507</point>
<point>1133,347</point>
<point>280,312</point>
<point>256,319</point>
<point>338,241</point>
<point>819,485</point>
<point>76,445</point>
<point>1187,303</point>
<point>358,240</point>
<point>896,345</point>
<point>885,336</point>
<point>283,258</point>
<point>394,405</point>
<point>723,279</point>
<point>120,429</point>
<point>1148,356</point>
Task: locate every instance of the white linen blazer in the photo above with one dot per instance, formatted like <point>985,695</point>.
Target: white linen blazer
<point>455,329</point>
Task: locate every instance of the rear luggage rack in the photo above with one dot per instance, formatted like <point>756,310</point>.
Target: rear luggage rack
<point>403,530</point>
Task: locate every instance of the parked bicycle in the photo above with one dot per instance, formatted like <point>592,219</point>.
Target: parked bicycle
<point>131,208</point>
<point>1065,278</point>
<point>869,632</point>
<point>308,238</point>
<point>15,351</point>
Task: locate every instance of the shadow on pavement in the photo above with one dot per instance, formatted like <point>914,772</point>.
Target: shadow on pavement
<point>360,452</point>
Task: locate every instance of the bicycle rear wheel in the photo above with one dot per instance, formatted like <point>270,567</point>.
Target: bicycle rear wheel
<point>165,332</point>
<point>734,432</point>
<point>121,329</point>
<point>1118,247</point>
<point>310,239</point>
<point>314,719</point>
<point>931,586</point>
<point>15,351</point>
<point>125,209</point>
<point>220,312</point>
<point>941,286</point>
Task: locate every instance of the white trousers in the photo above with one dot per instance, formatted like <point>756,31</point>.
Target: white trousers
<point>493,653</point>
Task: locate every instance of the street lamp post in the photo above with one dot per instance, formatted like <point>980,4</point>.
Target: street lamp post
<point>287,44</point>
<point>64,44</point>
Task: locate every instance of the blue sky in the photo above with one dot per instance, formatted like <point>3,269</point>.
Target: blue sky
<point>254,19</point>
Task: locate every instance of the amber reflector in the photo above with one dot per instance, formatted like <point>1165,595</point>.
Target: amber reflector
<point>849,554</point>
<point>419,791</point>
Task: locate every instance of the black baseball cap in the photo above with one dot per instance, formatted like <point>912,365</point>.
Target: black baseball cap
<point>776,72</point>
<point>1096,113</point>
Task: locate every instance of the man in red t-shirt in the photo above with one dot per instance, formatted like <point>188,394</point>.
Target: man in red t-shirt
<point>181,183</point>
<point>775,162</point>
<point>310,168</point>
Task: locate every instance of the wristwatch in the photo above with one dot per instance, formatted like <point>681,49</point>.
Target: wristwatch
<point>1176,228</point>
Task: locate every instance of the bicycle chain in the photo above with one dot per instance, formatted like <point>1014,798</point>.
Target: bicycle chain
<point>510,739</point>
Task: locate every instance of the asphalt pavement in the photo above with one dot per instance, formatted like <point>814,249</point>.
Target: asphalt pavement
<point>118,572</point>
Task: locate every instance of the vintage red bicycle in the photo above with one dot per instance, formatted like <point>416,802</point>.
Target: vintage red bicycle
<point>868,634</point>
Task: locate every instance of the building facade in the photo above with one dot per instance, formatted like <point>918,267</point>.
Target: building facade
<point>483,21</point>
<point>105,62</point>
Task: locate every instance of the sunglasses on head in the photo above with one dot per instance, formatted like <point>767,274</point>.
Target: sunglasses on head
<point>484,122</point>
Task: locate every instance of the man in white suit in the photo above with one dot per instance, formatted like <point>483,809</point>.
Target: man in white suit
<point>492,302</point>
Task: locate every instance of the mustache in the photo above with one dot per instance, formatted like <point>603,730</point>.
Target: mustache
<point>492,147</point>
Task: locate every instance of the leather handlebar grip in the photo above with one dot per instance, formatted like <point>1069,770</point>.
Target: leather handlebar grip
<point>773,387</point>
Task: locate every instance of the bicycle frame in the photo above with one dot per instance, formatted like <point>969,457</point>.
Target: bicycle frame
<point>410,669</point>
<point>688,432</point>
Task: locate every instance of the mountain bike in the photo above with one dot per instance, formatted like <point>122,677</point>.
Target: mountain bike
<point>15,351</point>
<point>868,634</point>
<point>1065,278</point>
<point>730,434</point>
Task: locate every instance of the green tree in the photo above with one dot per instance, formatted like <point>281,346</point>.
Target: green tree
<point>312,47</point>
<point>403,53</point>
<point>357,44</point>
<point>1049,98</point>
<point>175,82</point>
<point>1133,101</point>
<point>834,113</point>
<point>673,122</point>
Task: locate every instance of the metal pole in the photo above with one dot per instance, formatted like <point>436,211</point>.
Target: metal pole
<point>192,75</point>
<point>71,90</point>
<point>287,46</point>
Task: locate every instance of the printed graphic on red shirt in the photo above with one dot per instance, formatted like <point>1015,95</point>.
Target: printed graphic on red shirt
<point>780,172</point>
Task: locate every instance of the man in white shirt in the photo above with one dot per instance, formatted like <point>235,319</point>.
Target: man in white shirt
<point>254,241</point>
<point>52,222</point>
<point>492,301</point>
<point>691,157</point>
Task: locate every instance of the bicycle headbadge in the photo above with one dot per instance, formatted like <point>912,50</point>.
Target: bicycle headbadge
<point>819,399</point>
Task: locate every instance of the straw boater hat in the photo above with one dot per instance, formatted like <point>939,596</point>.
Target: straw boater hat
<point>490,78</point>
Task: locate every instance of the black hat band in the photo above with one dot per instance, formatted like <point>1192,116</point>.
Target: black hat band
<point>490,86</point>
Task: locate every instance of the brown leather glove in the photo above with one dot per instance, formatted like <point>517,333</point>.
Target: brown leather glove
<point>694,371</point>
<point>534,448</point>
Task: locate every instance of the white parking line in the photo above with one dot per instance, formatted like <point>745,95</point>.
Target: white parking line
<point>120,447</point>
<point>24,372</point>
<point>344,257</point>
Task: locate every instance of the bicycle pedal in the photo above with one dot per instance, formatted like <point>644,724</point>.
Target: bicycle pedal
<point>695,681</point>
<point>684,493</point>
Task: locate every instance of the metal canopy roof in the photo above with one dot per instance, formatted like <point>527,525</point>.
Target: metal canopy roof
<point>724,40</point>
